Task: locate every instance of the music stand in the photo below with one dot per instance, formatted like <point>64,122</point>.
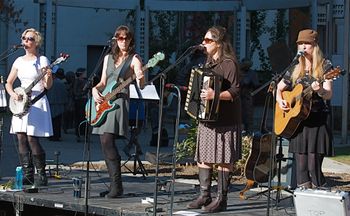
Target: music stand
<point>148,93</point>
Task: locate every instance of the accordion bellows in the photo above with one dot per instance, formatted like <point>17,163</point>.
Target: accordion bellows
<point>195,106</point>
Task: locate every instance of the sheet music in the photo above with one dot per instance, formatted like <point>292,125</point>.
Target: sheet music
<point>148,93</point>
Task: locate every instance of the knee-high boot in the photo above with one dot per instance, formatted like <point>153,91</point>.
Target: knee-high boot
<point>204,198</point>
<point>28,168</point>
<point>40,164</point>
<point>220,202</point>
<point>116,186</point>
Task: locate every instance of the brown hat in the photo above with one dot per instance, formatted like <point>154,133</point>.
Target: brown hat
<point>307,35</point>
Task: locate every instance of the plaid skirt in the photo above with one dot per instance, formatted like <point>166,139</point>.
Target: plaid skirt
<point>218,145</point>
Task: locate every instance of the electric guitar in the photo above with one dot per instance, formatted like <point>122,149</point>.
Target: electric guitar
<point>99,111</point>
<point>299,101</point>
<point>20,107</point>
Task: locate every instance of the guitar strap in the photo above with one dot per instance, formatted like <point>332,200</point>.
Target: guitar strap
<point>125,66</point>
<point>38,97</point>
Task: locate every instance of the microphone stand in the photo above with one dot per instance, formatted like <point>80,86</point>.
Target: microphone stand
<point>88,87</point>
<point>162,77</point>
<point>7,53</point>
<point>272,90</point>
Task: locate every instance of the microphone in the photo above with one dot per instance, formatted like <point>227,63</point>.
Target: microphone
<point>299,53</point>
<point>171,86</point>
<point>18,46</point>
<point>111,40</point>
<point>199,47</point>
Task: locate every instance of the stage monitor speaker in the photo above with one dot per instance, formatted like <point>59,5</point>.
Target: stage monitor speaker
<point>321,202</point>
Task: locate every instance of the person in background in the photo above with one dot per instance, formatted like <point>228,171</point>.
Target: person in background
<point>80,99</point>
<point>312,140</point>
<point>58,98</point>
<point>219,142</point>
<point>37,121</point>
<point>249,82</point>
<point>120,64</point>
<point>68,115</point>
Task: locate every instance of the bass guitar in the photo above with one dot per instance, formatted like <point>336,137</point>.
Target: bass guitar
<point>20,107</point>
<point>99,111</point>
<point>299,101</point>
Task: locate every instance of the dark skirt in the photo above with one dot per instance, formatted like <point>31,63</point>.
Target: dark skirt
<point>313,136</point>
<point>218,145</point>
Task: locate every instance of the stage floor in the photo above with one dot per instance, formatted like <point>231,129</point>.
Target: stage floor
<point>59,196</point>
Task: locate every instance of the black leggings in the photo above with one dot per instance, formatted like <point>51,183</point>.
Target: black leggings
<point>309,168</point>
<point>109,149</point>
<point>29,144</point>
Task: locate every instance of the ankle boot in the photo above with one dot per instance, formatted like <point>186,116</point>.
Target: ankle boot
<point>28,168</point>
<point>116,186</point>
<point>220,202</point>
<point>204,198</point>
<point>40,164</point>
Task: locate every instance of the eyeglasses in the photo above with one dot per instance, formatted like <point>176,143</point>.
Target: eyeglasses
<point>208,40</point>
<point>122,38</point>
<point>28,38</point>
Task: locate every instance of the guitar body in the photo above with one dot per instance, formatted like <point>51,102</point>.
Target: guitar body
<point>286,122</point>
<point>99,111</point>
<point>258,163</point>
<point>19,108</point>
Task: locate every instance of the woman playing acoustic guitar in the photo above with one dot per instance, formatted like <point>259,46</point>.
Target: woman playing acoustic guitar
<point>36,121</point>
<point>312,139</point>
<point>120,64</point>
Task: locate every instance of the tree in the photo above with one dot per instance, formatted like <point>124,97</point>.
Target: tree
<point>10,14</point>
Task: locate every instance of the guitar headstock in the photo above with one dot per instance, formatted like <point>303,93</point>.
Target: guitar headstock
<point>63,57</point>
<point>334,73</point>
<point>155,59</point>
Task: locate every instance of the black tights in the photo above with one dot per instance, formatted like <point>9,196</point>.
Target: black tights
<point>29,144</point>
<point>108,147</point>
<point>309,168</point>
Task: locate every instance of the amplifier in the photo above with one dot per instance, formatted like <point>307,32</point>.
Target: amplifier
<point>310,202</point>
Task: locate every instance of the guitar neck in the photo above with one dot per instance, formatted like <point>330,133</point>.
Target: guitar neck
<point>122,85</point>
<point>29,88</point>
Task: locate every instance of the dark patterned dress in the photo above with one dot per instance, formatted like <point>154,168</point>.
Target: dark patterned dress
<point>313,135</point>
<point>220,142</point>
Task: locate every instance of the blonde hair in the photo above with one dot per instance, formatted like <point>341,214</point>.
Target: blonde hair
<point>37,36</point>
<point>316,70</point>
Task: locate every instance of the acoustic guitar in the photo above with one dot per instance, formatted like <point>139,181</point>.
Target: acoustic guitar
<point>257,168</point>
<point>299,101</point>
<point>99,111</point>
<point>20,107</point>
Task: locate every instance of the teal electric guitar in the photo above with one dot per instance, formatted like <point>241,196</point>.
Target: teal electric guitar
<point>99,111</point>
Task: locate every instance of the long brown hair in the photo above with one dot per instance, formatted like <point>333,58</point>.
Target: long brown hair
<point>220,36</point>
<point>129,34</point>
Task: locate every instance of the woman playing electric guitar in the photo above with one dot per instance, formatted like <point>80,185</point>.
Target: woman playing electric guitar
<point>311,141</point>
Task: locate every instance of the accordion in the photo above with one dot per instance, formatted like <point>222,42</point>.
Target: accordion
<point>195,106</point>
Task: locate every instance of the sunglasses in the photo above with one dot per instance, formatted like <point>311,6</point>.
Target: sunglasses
<point>28,38</point>
<point>208,40</point>
<point>122,38</point>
